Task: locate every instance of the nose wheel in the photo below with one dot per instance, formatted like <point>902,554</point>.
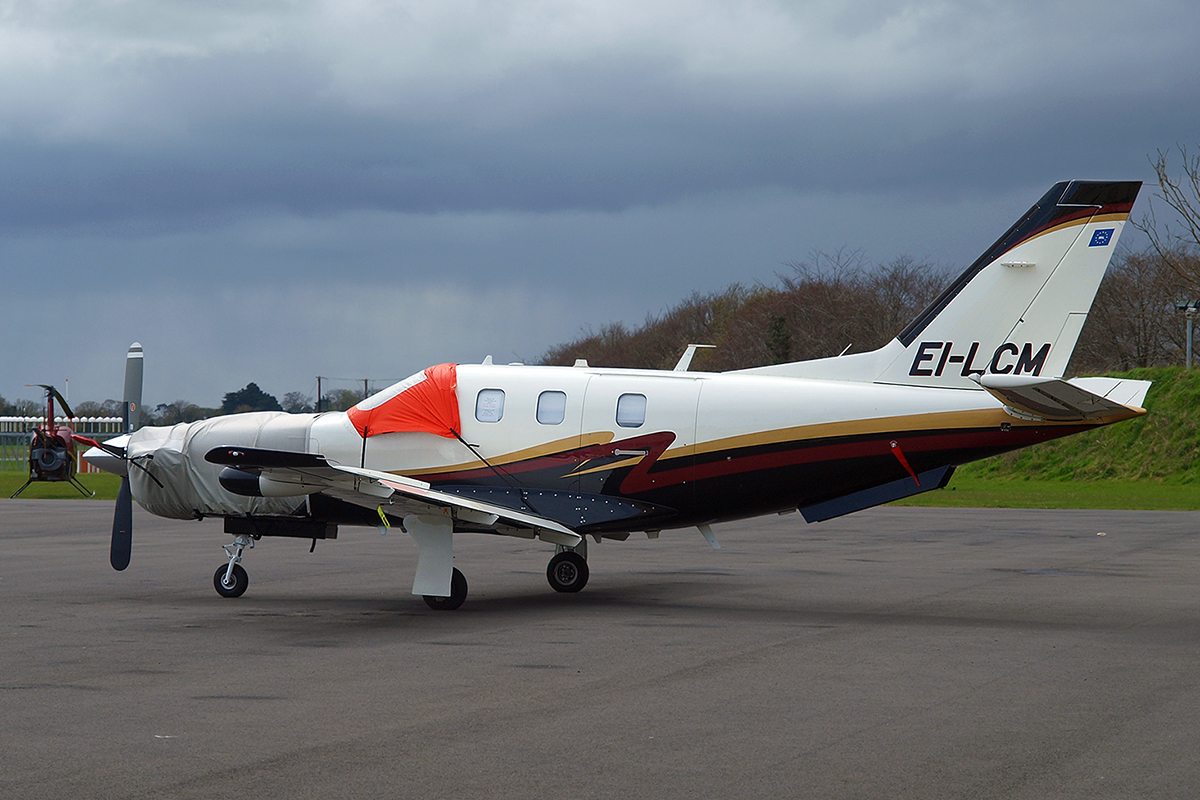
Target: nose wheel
<point>231,580</point>
<point>231,583</point>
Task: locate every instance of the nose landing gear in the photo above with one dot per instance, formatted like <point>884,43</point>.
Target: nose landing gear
<point>231,580</point>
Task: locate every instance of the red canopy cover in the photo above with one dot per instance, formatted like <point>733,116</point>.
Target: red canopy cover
<point>425,402</point>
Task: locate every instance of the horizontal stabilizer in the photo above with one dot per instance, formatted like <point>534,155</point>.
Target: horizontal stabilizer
<point>1068,401</point>
<point>1120,390</point>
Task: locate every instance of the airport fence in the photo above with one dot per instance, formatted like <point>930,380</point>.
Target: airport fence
<point>15,433</point>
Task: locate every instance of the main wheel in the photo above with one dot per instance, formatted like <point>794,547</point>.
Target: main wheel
<point>458,593</point>
<point>239,581</point>
<point>568,572</point>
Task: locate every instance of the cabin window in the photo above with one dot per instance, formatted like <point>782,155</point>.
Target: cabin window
<point>552,408</point>
<point>631,410</point>
<point>489,405</point>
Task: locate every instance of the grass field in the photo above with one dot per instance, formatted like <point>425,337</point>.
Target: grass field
<point>986,492</point>
<point>104,485</point>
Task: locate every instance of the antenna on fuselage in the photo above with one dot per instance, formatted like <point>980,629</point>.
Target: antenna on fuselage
<point>685,360</point>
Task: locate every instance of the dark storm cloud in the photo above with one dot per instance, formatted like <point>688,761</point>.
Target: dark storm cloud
<point>280,189</point>
<point>254,134</point>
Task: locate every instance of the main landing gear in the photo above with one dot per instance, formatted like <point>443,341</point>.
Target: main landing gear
<point>568,570</point>
<point>231,580</point>
<point>458,593</point>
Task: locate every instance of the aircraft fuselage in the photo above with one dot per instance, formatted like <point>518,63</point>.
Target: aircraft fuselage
<point>675,448</point>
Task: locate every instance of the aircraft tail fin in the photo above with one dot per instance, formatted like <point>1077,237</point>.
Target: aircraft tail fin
<point>1017,311</point>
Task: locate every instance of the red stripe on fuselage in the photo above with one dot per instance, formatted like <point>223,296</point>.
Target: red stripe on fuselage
<point>925,450</point>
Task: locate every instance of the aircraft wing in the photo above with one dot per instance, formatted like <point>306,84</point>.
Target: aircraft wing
<point>1065,401</point>
<point>274,472</point>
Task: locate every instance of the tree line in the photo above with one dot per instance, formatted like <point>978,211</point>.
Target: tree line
<point>840,303</point>
<point>836,303</point>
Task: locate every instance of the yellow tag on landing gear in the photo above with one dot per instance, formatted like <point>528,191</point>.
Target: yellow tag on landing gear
<point>385,526</point>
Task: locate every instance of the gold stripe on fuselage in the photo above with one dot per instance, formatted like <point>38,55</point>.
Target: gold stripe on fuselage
<point>557,447</point>
<point>958,420</point>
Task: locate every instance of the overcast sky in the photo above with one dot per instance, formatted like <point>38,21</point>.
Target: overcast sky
<point>268,192</point>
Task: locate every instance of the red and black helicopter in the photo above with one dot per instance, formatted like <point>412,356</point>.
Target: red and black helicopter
<point>52,448</point>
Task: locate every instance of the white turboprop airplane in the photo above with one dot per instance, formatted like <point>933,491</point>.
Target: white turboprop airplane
<point>561,453</point>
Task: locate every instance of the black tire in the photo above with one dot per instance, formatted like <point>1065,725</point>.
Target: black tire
<point>240,581</point>
<point>458,593</point>
<point>568,572</point>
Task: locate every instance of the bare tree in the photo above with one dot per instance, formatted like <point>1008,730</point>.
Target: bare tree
<point>88,408</point>
<point>658,343</point>
<point>179,411</point>
<point>341,399</point>
<point>1175,243</point>
<point>24,408</point>
<point>1133,321</point>
<point>827,303</point>
<point>297,403</point>
<point>841,300</point>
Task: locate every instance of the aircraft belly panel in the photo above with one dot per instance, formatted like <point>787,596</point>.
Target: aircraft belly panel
<point>758,480</point>
<point>585,513</point>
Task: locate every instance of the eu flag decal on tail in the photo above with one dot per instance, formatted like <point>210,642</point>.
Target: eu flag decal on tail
<point>1101,237</point>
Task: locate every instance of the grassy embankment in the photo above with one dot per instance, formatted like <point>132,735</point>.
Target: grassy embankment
<point>1148,463</point>
<point>1152,462</point>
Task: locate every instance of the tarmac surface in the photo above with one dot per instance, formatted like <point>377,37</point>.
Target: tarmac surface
<point>924,653</point>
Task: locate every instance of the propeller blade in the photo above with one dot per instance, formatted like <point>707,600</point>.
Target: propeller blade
<point>132,398</point>
<point>122,532</point>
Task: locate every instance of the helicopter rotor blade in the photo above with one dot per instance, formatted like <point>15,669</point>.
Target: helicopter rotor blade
<point>62,401</point>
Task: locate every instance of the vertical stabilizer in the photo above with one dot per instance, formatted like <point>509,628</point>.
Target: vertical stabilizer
<point>1019,309</point>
